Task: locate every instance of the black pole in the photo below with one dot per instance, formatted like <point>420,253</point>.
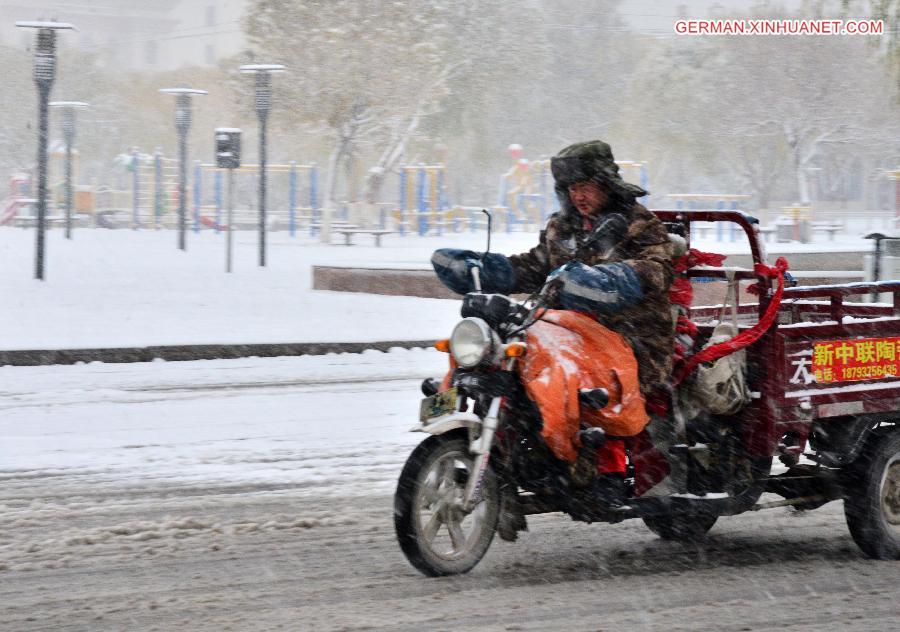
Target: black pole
<point>262,190</point>
<point>263,104</point>
<point>229,249</point>
<point>69,135</point>
<point>876,266</point>
<point>44,71</point>
<point>157,187</point>
<point>182,188</point>
<point>182,124</point>
<point>876,262</point>
<point>42,182</point>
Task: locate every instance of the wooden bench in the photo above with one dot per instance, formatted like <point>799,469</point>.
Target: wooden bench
<point>349,232</point>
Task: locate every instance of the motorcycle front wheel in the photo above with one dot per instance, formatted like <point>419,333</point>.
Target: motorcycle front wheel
<point>436,535</point>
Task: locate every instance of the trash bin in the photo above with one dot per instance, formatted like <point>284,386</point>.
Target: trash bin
<point>888,268</point>
<point>784,228</point>
<point>805,231</point>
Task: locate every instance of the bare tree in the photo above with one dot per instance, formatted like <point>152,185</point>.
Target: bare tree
<point>365,75</point>
<point>760,106</point>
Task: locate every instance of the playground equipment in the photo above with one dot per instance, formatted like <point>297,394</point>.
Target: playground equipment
<point>19,206</point>
<point>154,189</point>
<point>526,194</point>
<point>635,171</point>
<point>154,193</point>
<point>710,202</point>
<point>284,210</point>
<point>527,197</point>
<point>18,200</point>
<point>11,208</point>
<point>423,200</point>
<point>794,223</point>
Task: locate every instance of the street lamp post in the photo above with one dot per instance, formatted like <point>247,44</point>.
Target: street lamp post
<point>68,125</point>
<point>263,74</point>
<point>182,125</point>
<point>44,73</point>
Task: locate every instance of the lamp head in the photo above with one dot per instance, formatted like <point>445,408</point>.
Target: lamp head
<point>45,51</point>
<point>74,105</point>
<point>183,105</point>
<point>40,24</point>
<point>264,68</point>
<point>187,91</point>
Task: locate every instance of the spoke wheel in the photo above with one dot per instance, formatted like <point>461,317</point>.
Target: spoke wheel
<point>872,497</point>
<point>437,536</point>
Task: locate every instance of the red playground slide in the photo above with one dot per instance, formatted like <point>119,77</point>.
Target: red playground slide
<point>9,209</point>
<point>209,222</point>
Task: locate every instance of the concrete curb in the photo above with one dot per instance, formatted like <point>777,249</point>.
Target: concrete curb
<point>177,353</point>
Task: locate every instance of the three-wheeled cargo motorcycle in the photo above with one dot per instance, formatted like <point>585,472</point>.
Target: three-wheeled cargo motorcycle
<point>822,373</point>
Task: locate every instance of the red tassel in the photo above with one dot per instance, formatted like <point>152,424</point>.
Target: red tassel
<point>681,292</point>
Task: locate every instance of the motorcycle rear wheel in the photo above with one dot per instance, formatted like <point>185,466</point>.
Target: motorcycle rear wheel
<point>436,536</point>
<point>872,498</point>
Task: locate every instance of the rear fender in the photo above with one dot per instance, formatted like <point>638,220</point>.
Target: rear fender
<point>840,441</point>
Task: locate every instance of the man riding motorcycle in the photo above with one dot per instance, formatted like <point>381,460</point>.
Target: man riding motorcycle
<point>623,282</point>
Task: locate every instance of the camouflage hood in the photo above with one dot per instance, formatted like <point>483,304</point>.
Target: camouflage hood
<point>591,160</point>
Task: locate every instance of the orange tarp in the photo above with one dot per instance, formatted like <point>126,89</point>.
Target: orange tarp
<point>569,351</point>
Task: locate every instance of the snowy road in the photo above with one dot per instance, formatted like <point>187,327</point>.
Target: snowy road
<point>255,494</point>
<point>310,420</point>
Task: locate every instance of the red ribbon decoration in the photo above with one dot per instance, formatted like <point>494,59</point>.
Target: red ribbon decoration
<point>745,338</point>
<point>681,291</point>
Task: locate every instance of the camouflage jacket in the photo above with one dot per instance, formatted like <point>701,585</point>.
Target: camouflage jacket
<point>646,326</point>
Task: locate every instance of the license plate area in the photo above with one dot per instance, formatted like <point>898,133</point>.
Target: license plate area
<point>438,404</point>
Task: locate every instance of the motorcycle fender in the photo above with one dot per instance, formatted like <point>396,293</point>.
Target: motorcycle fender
<point>450,421</point>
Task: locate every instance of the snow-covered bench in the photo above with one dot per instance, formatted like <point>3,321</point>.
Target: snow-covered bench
<point>831,229</point>
<point>349,232</point>
<point>28,221</point>
<point>766,231</point>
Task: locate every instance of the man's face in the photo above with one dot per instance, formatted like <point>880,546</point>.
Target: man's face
<point>588,197</point>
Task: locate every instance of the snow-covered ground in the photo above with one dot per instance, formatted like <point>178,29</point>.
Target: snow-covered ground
<point>335,423</point>
<point>124,288</point>
<point>108,288</point>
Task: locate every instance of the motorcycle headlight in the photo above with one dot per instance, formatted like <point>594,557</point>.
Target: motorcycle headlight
<point>471,342</point>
